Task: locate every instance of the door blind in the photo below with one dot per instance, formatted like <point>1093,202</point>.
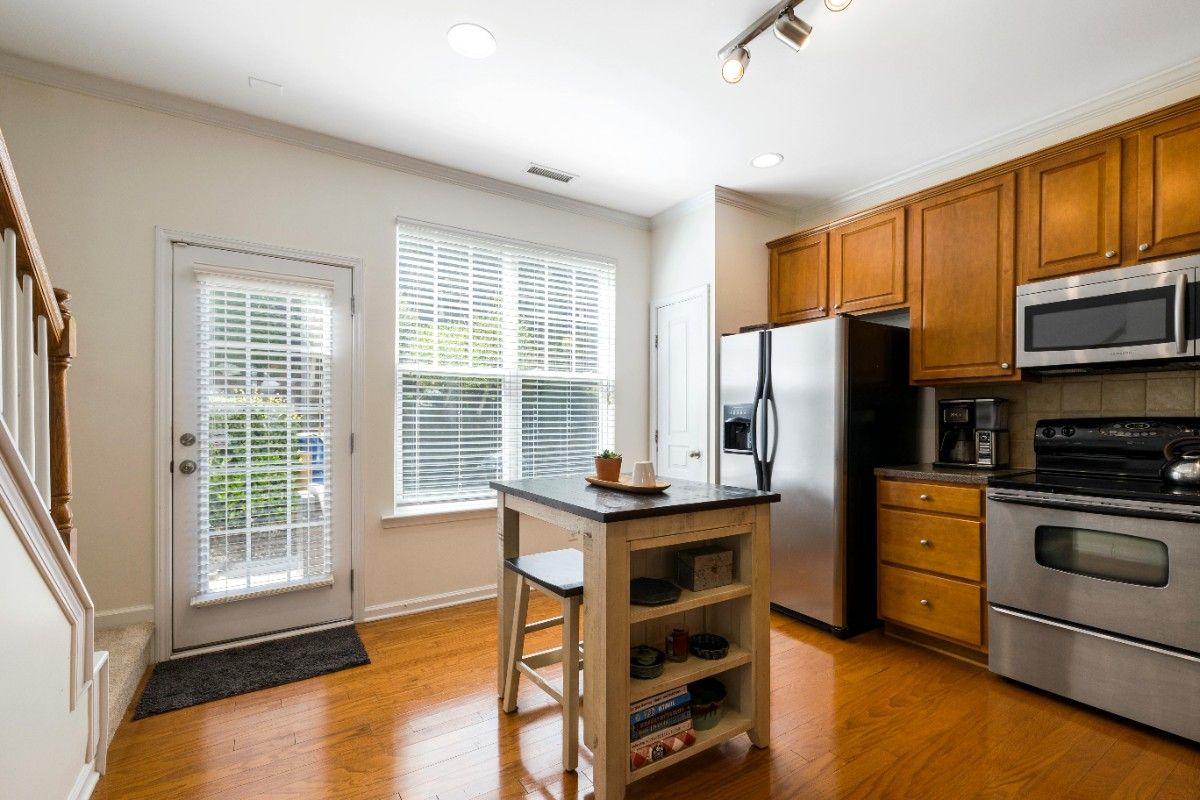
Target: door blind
<point>264,407</point>
<point>504,362</point>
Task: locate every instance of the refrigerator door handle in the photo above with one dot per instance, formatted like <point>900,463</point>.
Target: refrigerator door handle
<point>755,438</point>
<point>770,459</point>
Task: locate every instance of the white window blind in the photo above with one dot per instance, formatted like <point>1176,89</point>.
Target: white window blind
<point>264,401</point>
<point>504,362</point>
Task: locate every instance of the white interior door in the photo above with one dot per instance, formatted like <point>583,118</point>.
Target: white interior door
<point>261,384</point>
<point>681,337</point>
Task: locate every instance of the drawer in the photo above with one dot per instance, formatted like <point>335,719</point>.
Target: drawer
<point>940,606</point>
<point>939,544</point>
<point>966,501</point>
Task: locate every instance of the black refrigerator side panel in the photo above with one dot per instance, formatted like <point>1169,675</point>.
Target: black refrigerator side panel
<point>883,427</point>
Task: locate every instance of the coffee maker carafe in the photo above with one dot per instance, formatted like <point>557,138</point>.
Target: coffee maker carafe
<point>973,433</point>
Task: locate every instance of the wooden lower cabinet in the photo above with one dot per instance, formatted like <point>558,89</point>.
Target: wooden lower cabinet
<point>932,577</point>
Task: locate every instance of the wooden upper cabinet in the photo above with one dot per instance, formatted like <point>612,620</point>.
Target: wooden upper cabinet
<point>799,274</point>
<point>1071,212</point>
<point>962,282</point>
<point>1168,185</point>
<point>866,263</point>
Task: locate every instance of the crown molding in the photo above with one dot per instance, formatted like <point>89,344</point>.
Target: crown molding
<point>749,202</point>
<point>1148,94</point>
<point>197,111</point>
<point>701,202</point>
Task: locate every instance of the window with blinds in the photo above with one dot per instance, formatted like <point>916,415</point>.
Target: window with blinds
<point>264,404</point>
<point>504,362</point>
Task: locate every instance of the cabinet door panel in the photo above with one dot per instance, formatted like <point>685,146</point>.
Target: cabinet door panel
<point>866,263</point>
<point>799,273</point>
<point>1169,187</point>
<point>962,282</point>
<point>1071,212</point>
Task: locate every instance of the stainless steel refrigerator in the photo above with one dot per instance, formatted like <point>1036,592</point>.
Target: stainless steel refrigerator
<point>809,411</point>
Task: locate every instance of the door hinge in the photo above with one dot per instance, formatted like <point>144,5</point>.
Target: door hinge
<point>352,443</point>
<point>656,341</point>
<point>656,436</point>
<point>352,580</point>
<point>353,305</point>
<point>172,467</point>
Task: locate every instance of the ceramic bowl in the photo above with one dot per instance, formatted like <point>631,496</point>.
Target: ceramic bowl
<point>709,646</point>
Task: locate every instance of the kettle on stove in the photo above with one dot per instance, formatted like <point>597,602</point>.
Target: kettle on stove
<point>1183,461</point>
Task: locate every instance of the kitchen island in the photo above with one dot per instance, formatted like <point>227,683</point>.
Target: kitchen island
<point>625,536</point>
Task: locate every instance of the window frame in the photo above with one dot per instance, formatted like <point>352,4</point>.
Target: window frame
<point>509,373</point>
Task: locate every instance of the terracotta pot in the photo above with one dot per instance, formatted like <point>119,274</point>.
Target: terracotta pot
<point>608,469</point>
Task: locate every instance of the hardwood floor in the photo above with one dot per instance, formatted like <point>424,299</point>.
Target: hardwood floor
<point>871,717</point>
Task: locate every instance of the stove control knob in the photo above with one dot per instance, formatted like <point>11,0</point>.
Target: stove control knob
<point>1068,430</point>
<point>1048,432</point>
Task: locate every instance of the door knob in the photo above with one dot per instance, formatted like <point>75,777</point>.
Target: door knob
<point>187,467</point>
<point>694,454</point>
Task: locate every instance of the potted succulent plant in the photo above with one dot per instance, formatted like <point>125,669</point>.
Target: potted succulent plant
<point>608,465</point>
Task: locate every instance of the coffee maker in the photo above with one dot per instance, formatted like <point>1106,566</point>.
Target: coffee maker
<point>973,433</point>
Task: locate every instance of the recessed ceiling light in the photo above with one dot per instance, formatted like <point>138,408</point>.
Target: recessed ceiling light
<point>471,40</point>
<point>837,5</point>
<point>766,160</point>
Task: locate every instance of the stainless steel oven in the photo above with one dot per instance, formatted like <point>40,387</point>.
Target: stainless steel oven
<point>1130,314</point>
<point>1098,599</point>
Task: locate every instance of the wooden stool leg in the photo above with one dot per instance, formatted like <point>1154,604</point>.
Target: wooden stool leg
<point>516,646</point>
<point>570,683</point>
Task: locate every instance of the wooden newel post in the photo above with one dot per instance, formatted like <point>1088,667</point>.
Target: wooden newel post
<point>61,356</point>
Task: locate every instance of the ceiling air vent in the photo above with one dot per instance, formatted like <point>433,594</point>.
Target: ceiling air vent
<point>552,174</point>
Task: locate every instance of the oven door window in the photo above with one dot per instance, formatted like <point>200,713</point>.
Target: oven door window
<point>1102,554</point>
<point>1145,316</point>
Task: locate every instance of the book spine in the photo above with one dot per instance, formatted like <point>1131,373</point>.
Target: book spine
<point>657,699</point>
<point>679,700</point>
<point>659,736</point>
<point>661,722</point>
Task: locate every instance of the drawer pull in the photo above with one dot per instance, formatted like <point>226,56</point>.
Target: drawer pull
<point>924,543</point>
<point>924,602</point>
<point>924,497</point>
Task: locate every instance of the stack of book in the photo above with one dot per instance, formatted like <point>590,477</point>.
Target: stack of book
<point>659,726</point>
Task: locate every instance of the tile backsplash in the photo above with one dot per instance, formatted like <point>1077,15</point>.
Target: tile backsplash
<point>1134,394</point>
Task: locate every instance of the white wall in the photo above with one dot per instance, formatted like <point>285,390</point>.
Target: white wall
<point>743,263</point>
<point>43,743</point>
<point>98,176</point>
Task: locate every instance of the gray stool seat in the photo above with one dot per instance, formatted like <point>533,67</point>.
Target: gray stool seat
<point>559,572</point>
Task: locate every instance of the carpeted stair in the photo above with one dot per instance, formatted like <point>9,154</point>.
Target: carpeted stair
<point>129,655</point>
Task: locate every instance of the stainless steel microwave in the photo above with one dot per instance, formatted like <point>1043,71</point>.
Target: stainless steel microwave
<point>1137,313</point>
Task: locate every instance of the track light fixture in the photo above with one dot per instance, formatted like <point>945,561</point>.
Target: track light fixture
<point>787,27</point>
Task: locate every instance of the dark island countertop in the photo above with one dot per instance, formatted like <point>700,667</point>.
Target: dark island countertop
<point>930,472</point>
<point>576,496</point>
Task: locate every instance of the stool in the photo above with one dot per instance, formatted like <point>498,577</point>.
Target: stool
<point>558,573</point>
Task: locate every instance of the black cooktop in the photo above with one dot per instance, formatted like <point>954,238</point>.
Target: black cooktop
<point>1117,457</point>
<point>1098,486</point>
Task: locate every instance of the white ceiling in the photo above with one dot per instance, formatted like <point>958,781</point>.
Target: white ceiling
<point>627,93</point>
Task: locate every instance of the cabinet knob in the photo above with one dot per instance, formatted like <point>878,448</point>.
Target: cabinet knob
<point>821,309</point>
<point>1143,247</point>
<point>924,602</point>
<point>924,497</point>
<point>924,543</point>
<point>837,305</point>
<point>1004,365</point>
<point>1110,253</point>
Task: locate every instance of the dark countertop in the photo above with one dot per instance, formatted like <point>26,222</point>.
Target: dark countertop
<point>576,496</point>
<point>929,472</point>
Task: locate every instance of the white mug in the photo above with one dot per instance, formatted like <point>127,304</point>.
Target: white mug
<point>643,473</point>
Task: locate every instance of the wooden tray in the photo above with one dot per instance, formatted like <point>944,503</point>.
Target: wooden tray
<point>623,485</point>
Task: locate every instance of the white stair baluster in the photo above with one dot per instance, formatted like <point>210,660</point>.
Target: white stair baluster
<point>42,412</point>
<point>8,331</point>
<point>25,359</point>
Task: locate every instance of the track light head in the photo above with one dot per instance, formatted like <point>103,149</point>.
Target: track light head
<point>733,64</point>
<point>837,5</point>
<point>792,31</point>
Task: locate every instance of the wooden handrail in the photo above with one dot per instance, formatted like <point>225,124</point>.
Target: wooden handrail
<point>29,255</point>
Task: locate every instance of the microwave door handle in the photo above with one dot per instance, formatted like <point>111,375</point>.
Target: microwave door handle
<point>1181,286</point>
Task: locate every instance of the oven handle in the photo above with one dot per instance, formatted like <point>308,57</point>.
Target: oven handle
<point>1115,507</point>
<point>1089,632</point>
<point>1181,342</point>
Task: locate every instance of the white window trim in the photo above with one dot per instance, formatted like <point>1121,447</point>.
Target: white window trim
<point>432,512</point>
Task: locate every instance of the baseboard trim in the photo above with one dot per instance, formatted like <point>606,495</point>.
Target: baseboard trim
<point>120,617</point>
<point>85,783</point>
<point>416,605</point>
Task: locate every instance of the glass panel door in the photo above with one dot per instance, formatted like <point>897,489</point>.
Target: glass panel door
<point>1102,554</point>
